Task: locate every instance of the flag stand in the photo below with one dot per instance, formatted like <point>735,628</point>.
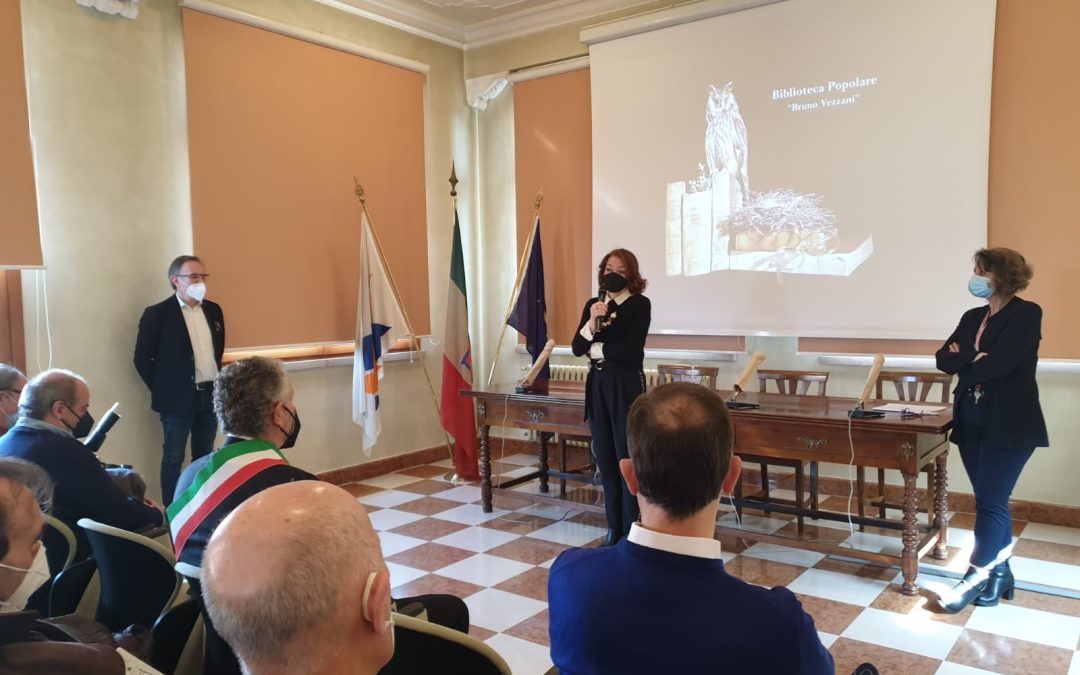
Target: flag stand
<point>359,190</point>
<point>517,283</point>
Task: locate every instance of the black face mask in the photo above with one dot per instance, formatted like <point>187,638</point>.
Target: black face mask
<point>290,437</point>
<point>83,426</point>
<point>614,282</point>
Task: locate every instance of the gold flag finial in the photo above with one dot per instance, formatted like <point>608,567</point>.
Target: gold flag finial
<point>539,198</point>
<point>453,180</point>
<point>359,189</point>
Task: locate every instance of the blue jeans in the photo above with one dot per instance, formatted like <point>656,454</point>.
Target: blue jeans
<point>993,473</point>
<point>201,425</point>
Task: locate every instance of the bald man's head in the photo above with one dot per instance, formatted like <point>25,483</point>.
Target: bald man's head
<point>284,577</point>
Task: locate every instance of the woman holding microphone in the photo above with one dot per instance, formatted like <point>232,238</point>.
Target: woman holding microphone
<point>997,420</point>
<point>612,334</point>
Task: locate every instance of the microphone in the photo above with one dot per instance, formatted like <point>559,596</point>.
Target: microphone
<point>756,360</point>
<point>97,438</point>
<point>602,295</point>
<point>871,378</point>
<point>525,385</point>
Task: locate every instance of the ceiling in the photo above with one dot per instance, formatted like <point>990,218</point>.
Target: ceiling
<point>472,23</point>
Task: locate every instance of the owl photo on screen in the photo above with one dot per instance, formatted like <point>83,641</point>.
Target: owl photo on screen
<point>725,138</point>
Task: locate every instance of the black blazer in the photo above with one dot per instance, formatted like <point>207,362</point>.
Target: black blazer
<point>164,357</point>
<point>1012,417</point>
<point>624,338</point>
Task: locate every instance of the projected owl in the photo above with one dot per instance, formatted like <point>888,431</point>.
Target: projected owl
<point>725,138</point>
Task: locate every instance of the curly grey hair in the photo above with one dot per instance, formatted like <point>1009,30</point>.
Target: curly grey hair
<point>245,392</point>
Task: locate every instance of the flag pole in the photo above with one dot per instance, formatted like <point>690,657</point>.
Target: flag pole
<point>525,253</point>
<point>359,190</point>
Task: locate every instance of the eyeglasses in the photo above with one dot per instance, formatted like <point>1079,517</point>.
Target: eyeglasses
<point>194,277</point>
<point>17,392</point>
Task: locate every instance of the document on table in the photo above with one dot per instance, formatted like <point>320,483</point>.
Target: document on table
<point>134,666</point>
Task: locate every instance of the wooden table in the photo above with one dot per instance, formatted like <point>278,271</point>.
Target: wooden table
<point>791,427</point>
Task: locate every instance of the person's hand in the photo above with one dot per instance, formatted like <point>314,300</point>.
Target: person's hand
<point>954,347</point>
<point>598,309</point>
<point>979,356</point>
<point>152,503</point>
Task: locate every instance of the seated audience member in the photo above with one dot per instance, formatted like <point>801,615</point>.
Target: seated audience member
<point>295,581</point>
<point>253,400</point>
<point>30,645</point>
<point>660,600</point>
<point>54,411</point>
<point>12,382</point>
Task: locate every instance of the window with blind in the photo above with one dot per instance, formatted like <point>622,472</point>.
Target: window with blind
<point>278,127</point>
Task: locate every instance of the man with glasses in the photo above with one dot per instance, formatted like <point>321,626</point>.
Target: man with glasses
<point>12,382</point>
<point>54,412</point>
<point>178,354</point>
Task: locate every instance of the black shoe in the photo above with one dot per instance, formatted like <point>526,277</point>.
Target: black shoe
<point>612,537</point>
<point>1001,584</point>
<point>962,594</point>
<point>866,669</point>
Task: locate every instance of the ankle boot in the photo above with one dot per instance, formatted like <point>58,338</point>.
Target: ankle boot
<point>969,588</point>
<point>1001,584</point>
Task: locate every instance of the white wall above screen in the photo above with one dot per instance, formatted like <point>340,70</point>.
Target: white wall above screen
<point>809,167</point>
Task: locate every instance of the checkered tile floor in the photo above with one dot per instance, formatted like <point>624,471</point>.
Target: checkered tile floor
<point>436,539</point>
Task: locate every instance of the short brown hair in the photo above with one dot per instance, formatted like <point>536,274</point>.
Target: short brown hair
<point>680,439</point>
<point>634,281</point>
<point>1011,272</point>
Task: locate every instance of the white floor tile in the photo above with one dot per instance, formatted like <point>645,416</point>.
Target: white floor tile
<point>400,574</point>
<point>1046,573</point>
<point>388,519</point>
<point>881,543</point>
<point>517,473</point>
<point>728,556</point>
<point>484,570</point>
<point>1053,533</point>
<point>963,539</point>
<point>389,481</point>
<point>949,668</point>
<point>521,655</point>
<point>470,514</point>
<point>548,511</point>
<point>1074,668</point>
<point>388,499</point>
<point>1021,623</point>
<point>827,638</point>
<point>392,543</point>
<point>461,493</point>
<point>913,633</point>
<point>477,539</point>
<point>521,459</point>
<point>752,522</point>
<point>784,554</point>
<point>547,564</point>
<point>498,610</point>
<point>567,533</point>
<point>836,586</point>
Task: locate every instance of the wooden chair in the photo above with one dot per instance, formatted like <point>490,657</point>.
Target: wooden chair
<point>792,383</point>
<point>911,386</point>
<point>704,375</point>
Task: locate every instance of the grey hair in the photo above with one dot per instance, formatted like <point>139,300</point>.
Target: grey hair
<point>245,392</point>
<point>47,388</point>
<point>9,375</point>
<point>292,620</point>
<point>177,263</point>
<point>32,478</point>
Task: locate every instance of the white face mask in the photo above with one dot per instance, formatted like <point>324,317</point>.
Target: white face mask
<point>36,575</point>
<point>367,611</point>
<point>196,291</point>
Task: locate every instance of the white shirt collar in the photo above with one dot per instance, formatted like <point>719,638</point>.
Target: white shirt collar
<point>184,305</point>
<point>697,547</point>
<point>621,296</point>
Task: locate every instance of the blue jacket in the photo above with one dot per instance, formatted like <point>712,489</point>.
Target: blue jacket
<point>631,609</point>
<point>82,488</point>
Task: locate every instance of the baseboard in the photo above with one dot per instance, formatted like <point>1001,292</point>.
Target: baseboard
<point>378,467</point>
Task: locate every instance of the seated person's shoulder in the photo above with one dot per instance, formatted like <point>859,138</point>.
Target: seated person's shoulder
<point>580,558</point>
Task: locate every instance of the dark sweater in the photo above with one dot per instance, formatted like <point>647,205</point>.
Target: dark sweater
<point>1011,416</point>
<point>631,609</point>
<point>83,489</point>
<point>624,338</point>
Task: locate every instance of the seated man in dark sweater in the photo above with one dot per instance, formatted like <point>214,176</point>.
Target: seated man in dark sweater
<point>660,600</point>
<point>253,401</point>
<point>54,411</point>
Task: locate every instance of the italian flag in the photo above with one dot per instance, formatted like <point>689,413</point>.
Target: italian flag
<point>228,468</point>
<point>456,411</point>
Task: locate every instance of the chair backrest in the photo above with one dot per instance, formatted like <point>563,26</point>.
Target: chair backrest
<point>419,643</point>
<point>138,582</point>
<point>218,656</point>
<point>795,382</point>
<point>75,590</point>
<point>913,385</point>
<point>177,631</point>
<point>705,375</point>
<point>60,544</point>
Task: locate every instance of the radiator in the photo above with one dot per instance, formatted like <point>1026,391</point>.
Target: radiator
<point>578,373</point>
